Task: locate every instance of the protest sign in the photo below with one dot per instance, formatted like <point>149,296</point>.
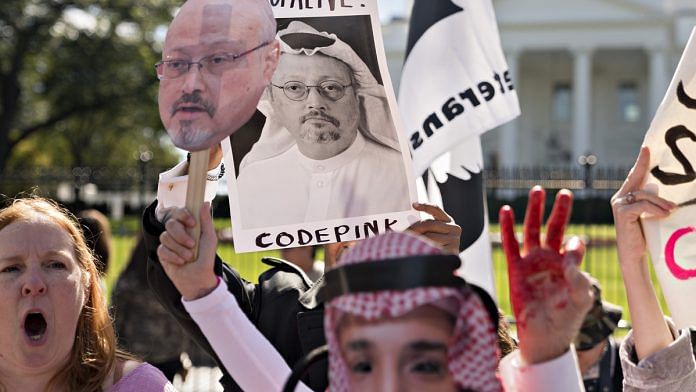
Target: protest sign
<point>455,86</point>
<point>672,142</point>
<point>323,159</point>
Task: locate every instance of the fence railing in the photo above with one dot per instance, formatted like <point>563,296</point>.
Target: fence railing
<point>130,190</point>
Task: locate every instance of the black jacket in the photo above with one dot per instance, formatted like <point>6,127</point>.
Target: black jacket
<point>283,306</point>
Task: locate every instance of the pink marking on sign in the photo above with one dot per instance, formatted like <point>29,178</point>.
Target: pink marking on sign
<point>674,268</point>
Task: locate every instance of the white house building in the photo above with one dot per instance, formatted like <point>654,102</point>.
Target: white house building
<point>589,74</point>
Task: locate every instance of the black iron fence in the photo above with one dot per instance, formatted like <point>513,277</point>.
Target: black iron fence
<point>122,194</point>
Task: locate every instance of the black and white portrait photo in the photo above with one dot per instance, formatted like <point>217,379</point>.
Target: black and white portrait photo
<point>328,148</point>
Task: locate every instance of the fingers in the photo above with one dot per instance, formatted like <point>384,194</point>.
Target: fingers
<point>167,256</point>
<point>179,214</point>
<point>636,210</point>
<point>507,233</point>
<point>436,212</point>
<point>208,241</point>
<point>555,227</point>
<point>182,251</point>
<point>579,289</point>
<point>664,204</point>
<point>574,251</point>
<point>433,226</point>
<point>635,177</point>
<point>533,218</point>
<point>175,242</point>
<point>450,242</point>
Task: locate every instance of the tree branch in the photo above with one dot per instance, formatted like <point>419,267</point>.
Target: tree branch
<point>25,132</point>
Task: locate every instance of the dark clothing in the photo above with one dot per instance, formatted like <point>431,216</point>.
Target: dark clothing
<point>283,306</point>
<point>610,374</point>
<point>143,326</point>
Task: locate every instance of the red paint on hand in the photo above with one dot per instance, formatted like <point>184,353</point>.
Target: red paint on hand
<point>539,271</point>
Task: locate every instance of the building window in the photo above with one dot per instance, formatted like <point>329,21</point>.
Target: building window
<point>562,108</point>
<point>629,109</point>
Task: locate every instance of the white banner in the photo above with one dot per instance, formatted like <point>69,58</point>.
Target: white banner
<point>672,142</point>
<point>456,85</point>
<point>455,82</point>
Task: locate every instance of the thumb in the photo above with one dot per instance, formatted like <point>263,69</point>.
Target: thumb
<point>208,241</point>
<point>573,251</point>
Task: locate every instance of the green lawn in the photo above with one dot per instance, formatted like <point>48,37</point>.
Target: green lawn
<point>600,262</point>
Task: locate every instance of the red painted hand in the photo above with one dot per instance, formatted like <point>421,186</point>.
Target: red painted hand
<point>549,295</point>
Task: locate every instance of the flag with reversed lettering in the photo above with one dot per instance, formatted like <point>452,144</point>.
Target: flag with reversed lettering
<point>455,85</point>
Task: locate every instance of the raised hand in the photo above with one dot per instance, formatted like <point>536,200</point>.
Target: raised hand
<point>441,229</point>
<point>650,332</point>
<point>549,294</point>
<point>629,203</point>
<point>193,278</point>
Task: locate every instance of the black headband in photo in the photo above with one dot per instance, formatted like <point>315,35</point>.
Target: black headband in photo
<point>299,41</point>
<point>402,273</point>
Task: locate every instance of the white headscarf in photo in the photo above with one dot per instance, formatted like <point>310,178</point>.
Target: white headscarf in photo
<point>375,119</point>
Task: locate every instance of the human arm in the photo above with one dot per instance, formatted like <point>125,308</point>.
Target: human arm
<point>670,369</point>
<point>168,295</point>
<point>549,294</point>
<point>650,332</point>
<point>247,355</point>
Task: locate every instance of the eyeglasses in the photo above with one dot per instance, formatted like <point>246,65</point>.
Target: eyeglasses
<point>298,91</point>
<point>214,64</point>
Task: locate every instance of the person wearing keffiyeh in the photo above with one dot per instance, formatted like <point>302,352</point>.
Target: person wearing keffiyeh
<point>419,339</point>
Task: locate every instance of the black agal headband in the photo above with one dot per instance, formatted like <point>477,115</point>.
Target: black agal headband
<point>399,274</point>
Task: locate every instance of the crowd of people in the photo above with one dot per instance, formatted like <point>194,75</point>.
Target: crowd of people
<point>388,313</point>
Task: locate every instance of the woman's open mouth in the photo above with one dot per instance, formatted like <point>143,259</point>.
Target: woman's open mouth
<point>35,327</point>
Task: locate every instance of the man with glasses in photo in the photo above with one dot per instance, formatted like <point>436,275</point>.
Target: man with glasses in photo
<point>329,149</point>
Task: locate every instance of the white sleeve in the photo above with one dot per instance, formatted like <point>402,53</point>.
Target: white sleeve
<point>559,374</point>
<point>171,188</point>
<point>247,355</point>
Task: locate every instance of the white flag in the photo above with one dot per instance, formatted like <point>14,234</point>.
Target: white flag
<point>456,85</point>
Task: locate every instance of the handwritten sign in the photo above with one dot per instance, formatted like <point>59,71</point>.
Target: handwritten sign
<point>672,142</point>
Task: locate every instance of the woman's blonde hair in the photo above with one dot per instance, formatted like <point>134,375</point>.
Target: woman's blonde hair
<point>94,351</point>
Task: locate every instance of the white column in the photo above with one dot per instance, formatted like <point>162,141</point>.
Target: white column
<point>509,132</point>
<point>658,79</point>
<point>582,101</point>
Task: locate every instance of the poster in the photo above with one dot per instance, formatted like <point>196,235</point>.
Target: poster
<point>323,160</point>
<point>672,142</point>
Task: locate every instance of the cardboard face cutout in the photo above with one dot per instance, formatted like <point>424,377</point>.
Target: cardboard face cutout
<point>672,142</point>
<point>212,72</point>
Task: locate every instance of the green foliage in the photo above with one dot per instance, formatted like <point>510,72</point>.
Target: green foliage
<point>77,84</point>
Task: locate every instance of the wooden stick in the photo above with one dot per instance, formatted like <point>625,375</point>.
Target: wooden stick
<point>195,192</point>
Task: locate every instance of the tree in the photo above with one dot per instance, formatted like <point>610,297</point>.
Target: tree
<point>77,84</point>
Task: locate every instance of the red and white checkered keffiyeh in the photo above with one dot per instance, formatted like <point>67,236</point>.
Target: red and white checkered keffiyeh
<point>473,355</point>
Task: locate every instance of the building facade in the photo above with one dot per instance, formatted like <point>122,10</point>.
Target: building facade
<point>589,74</point>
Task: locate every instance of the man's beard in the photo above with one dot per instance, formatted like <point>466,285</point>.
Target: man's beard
<point>191,136</point>
<point>326,131</point>
<point>319,134</point>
